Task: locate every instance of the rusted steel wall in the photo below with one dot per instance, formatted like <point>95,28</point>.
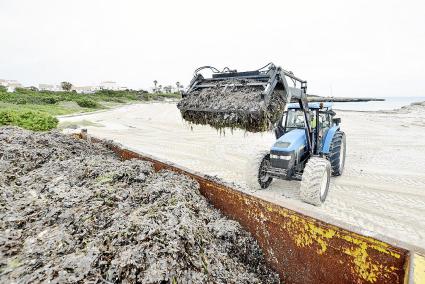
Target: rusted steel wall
<point>300,248</point>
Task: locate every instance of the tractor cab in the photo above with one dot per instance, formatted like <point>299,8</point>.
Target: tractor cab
<point>320,114</point>
<point>321,118</point>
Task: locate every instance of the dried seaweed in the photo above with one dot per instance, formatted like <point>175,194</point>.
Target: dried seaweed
<point>71,211</point>
<point>240,106</point>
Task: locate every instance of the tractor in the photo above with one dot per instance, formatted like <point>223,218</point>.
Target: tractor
<point>310,145</point>
<point>312,156</point>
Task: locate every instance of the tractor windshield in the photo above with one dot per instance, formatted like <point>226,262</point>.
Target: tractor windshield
<point>294,119</point>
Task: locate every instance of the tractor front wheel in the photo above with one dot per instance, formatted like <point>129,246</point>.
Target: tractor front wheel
<point>256,175</point>
<point>315,181</point>
<point>263,177</point>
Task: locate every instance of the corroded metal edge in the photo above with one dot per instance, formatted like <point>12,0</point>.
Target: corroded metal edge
<point>302,249</point>
<point>418,269</point>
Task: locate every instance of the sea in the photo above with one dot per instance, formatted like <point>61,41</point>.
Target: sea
<point>390,103</point>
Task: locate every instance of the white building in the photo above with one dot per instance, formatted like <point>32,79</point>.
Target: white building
<point>109,85</point>
<point>86,89</point>
<point>10,85</point>
<point>50,87</point>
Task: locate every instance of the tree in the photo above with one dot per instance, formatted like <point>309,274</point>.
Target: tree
<point>155,82</point>
<point>179,87</point>
<point>168,89</point>
<point>66,86</point>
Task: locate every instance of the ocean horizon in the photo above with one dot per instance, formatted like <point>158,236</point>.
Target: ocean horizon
<point>390,103</point>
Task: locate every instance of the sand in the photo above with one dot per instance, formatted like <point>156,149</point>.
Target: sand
<point>382,190</point>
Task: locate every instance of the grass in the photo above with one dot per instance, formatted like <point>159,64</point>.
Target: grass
<point>36,110</point>
<point>48,109</point>
<point>32,120</point>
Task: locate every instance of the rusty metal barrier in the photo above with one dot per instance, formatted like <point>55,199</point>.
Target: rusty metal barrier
<point>302,249</point>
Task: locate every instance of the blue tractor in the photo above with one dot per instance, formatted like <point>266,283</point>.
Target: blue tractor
<point>310,147</point>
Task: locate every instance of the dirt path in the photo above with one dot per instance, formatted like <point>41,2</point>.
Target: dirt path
<point>382,189</point>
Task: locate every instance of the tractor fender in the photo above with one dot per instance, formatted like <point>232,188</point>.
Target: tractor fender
<point>328,139</point>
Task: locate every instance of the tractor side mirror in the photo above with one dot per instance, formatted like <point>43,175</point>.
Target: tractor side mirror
<point>336,121</point>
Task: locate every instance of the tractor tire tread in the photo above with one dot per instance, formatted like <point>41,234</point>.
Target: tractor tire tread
<point>251,171</point>
<point>335,153</point>
<point>311,180</point>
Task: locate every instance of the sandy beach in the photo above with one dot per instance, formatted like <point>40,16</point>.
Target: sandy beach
<point>381,191</point>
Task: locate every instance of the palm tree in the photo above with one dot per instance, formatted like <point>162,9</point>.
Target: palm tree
<point>155,82</point>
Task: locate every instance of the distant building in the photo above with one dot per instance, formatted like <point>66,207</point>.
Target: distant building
<point>50,87</point>
<point>86,89</point>
<point>10,85</point>
<point>108,85</point>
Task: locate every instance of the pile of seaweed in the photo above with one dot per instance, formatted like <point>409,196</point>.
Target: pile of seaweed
<point>240,106</point>
<point>71,211</point>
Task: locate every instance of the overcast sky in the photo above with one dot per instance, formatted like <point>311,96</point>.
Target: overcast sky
<point>354,48</point>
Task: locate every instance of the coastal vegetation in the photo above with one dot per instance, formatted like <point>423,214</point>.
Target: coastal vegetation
<point>36,110</point>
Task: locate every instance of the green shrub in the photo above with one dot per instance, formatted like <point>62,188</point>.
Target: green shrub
<point>22,91</point>
<point>146,96</point>
<point>21,101</point>
<point>6,117</point>
<point>32,96</point>
<point>88,103</point>
<point>36,121</point>
<point>31,120</point>
<point>49,100</point>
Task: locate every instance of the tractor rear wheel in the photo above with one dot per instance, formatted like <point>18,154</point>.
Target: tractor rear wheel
<point>315,181</point>
<point>256,176</point>
<point>337,153</point>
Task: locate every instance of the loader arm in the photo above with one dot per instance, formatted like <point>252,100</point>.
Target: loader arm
<point>300,95</point>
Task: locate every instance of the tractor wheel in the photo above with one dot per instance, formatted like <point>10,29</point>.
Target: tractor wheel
<point>315,181</point>
<point>256,177</point>
<point>337,153</point>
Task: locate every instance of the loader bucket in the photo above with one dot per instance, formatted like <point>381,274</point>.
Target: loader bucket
<point>252,100</point>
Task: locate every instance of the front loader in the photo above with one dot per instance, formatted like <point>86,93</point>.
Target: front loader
<point>309,146</point>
